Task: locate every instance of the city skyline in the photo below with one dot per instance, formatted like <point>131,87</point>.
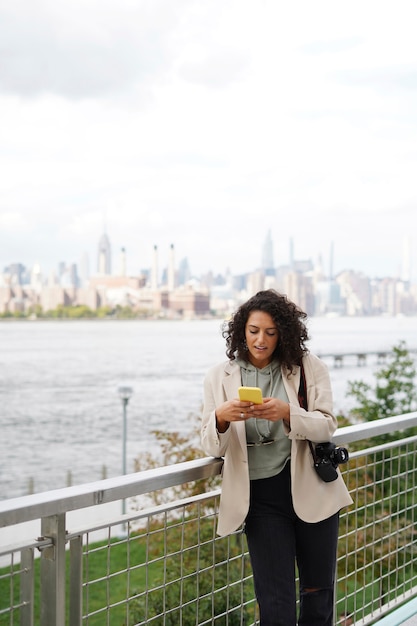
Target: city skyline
<point>374,259</point>
<point>205,125</point>
<point>162,263</point>
<point>174,290</point>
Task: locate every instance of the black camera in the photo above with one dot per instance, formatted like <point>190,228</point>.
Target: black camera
<point>328,457</point>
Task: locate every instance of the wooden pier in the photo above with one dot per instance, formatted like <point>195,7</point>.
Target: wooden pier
<point>361,357</point>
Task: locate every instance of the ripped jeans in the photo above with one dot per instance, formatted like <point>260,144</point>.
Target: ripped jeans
<point>277,541</point>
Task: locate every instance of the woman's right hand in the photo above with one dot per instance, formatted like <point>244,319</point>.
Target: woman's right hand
<point>232,411</point>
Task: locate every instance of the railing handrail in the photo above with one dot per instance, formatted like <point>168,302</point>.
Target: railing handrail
<point>384,507</point>
<point>36,506</point>
<point>383,426</point>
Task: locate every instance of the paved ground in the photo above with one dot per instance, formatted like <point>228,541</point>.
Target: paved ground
<point>405,615</point>
<point>412,621</point>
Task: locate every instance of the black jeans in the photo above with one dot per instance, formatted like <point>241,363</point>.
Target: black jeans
<point>277,540</point>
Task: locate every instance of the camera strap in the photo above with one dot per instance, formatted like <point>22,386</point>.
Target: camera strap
<point>302,399</point>
<point>302,390</point>
<point>313,452</point>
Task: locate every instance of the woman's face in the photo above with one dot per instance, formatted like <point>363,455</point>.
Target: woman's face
<point>261,336</point>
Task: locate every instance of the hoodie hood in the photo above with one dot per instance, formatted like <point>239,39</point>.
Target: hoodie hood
<point>265,378</point>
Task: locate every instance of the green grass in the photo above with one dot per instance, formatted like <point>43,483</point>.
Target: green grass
<point>104,568</point>
<point>103,559</point>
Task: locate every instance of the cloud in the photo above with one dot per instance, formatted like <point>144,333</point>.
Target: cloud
<point>387,80</point>
<point>13,223</point>
<point>331,46</point>
<point>218,69</point>
<point>84,48</point>
<point>204,124</point>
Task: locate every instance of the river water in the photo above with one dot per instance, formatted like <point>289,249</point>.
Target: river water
<point>59,407</point>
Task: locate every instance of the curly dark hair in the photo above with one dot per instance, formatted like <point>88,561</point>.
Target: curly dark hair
<point>288,318</point>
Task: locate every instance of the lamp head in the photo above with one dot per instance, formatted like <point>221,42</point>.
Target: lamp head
<point>125,393</point>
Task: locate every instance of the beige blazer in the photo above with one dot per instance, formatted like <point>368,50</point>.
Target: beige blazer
<point>313,499</point>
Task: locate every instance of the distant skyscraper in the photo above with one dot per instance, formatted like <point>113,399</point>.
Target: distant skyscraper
<point>73,275</point>
<point>16,271</point>
<point>84,266</point>
<point>171,268</point>
<point>184,272</point>
<point>331,268</point>
<point>104,255</point>
<point>36,277</point>
<point>62,268</point>
<point>123,264</point>
<point>268,255</point>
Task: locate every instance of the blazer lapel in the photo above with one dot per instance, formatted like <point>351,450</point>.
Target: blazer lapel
<point>231,382</point>
<point>291,384</point>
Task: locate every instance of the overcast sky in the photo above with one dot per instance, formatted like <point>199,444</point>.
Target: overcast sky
<point>205,123</point>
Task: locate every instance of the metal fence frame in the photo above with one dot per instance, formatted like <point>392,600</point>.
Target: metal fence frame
<point>63,588</point>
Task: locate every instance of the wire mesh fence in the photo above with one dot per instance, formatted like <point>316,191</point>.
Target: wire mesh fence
<point>164,564</point>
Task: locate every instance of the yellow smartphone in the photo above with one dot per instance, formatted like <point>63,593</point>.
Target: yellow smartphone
<point>250,394</point>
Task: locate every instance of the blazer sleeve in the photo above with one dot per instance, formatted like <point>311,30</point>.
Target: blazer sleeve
<point>318,422</point>
<point>213,443</point>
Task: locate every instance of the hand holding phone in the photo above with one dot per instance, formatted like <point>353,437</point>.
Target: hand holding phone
<point>250,394</point>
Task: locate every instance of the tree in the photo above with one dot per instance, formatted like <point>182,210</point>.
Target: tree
<point>395,391</point>
<point>384,490</point>
<point>177,448</point>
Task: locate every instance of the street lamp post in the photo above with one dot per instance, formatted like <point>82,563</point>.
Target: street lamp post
<point>125,394</point>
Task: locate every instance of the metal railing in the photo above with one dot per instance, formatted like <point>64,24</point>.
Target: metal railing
<point>163,564</point>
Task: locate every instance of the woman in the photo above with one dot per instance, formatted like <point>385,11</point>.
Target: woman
<point>269,483</point>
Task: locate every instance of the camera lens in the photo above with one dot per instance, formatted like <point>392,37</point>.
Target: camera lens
<point>341,455</point>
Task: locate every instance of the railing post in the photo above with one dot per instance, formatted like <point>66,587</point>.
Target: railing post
<point>27,586</point>
<point>53,571</point>
<point>76,581</point>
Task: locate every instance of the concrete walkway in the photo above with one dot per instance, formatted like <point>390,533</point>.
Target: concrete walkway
<point>405,615</point>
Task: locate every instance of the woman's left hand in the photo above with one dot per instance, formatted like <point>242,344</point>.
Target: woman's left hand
<point>272,409</point>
